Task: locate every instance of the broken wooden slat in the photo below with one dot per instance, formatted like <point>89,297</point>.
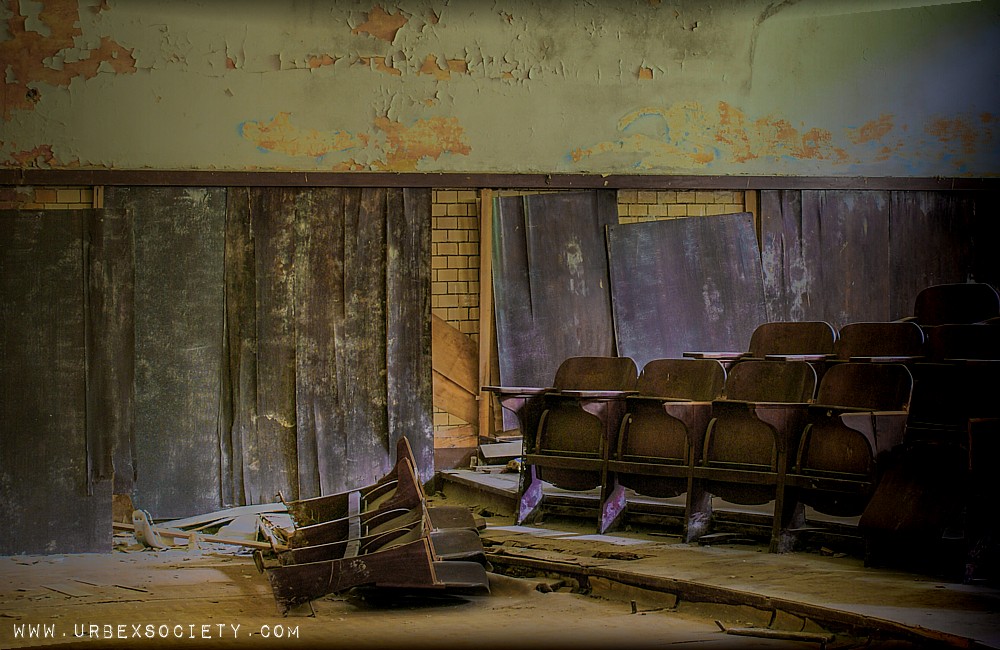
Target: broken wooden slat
<point>453,399</point>
<point>213,539</point>
<point>454,355</point>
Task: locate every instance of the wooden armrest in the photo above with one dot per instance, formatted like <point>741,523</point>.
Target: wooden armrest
<point>716,355</point>
<point>797,357</point>
<point>887,359</point>
<point>655,398</point>
<point>516,391</point>
<point>594,394</point>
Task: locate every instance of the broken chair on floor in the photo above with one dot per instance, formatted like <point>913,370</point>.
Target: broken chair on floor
<point>383,536</point>
<point>750,441</point>
<point>662,433</point>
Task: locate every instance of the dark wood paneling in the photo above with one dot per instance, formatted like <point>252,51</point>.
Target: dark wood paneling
<point>683,285</point>
<point>179,313</point>
<point>45,507</point>
<point>550,280</point>
<point>825,255</point>
<point>408,349</point>
<point>932,243</point>
<point>110,297</point>
<point>319,316</point>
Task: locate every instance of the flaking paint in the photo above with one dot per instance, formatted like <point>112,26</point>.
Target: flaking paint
<point>728,87</point>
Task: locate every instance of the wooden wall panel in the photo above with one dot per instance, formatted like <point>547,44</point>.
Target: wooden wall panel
<point>683,285</point>
<point>550,280</point>
<point>825,255</point>
<point>179,324</point>
<point>408,301</point>
<point>49,503</point>
<point>932,243</point>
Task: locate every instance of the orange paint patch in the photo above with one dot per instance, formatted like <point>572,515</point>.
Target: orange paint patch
<point>381,24</point>
<point>320,60</point>
<point>24,54</point>
<point>430,66</point>
<point>645,73</point>
<point>40,156</point>
<point>282,136</point>
<point>431,138</point>
<point>872,131</point>
<point>378,63</point>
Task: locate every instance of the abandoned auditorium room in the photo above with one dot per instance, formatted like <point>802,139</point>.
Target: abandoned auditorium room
<point>500,324</point>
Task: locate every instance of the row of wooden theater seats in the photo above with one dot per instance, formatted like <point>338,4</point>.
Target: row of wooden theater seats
<point>770,430</point>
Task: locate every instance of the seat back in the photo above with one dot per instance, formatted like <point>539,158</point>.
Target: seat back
<point>792,337</point>
<point>771,381</point>
<point>871,386</point>
<point>893,339</point>
<point>698,380</point>
<point>596,373</point>
<point>967,302</point>
<point>946,342</point>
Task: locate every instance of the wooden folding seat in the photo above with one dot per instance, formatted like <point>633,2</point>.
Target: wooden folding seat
<point>663,431</point>
<point>750,440</point>
<point>569,430</point>
<point>887,342</point>
<point>858,418</point>
<point>966,302</point>
<point>782,341</point>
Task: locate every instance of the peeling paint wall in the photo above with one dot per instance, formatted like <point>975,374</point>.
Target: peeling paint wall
<point>797,87</point>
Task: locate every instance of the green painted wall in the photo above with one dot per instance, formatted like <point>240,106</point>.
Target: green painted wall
<point>793,87</point>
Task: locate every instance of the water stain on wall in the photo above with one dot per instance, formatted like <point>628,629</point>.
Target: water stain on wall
<point>391,145</point>
<point>688,134</point>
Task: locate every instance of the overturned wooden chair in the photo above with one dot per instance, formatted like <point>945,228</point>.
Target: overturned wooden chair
<point>406,558</point>
<point>662,433</point>
<point>569,429</point>
<point>750,442</point>
<point>858,419</point>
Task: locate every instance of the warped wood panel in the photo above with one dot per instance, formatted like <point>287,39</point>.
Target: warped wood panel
<point>49,503</point>
<point>682,285</point>
<point>550,282</point>
<point>825,255</point>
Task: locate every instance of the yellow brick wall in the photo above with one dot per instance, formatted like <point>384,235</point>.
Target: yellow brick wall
<point>455,268</point>
<point>47,198</point>
<point>635,206</point>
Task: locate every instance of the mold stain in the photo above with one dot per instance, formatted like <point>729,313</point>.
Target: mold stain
<point>381,24</point>
<point>31,58</point>
<point>280,135</point>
